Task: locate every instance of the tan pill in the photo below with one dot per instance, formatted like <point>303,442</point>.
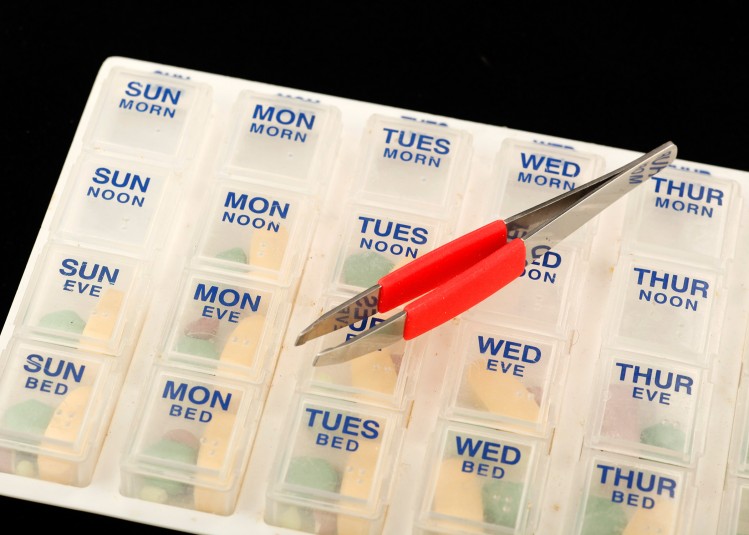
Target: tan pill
<point>102,320</point>
<point>64,427</point>
<point>267,248</point>
<point>241,345</point>
<point>374,372</point>
<point>660,520</point>
<point>357,480</point>
<point>458,493</point>
<point>501,393</point>
<point>214,447</point>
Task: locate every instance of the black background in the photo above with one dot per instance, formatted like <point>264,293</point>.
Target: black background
<point>607,75</point>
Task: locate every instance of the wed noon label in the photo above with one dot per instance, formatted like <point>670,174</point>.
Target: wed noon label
<point>538,296</point>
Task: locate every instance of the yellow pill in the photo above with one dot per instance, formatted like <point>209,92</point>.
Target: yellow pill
<point>375,372</point>
<point>501,393</point>
<point>102,320</point>
<point>214,447</point>
<point>242,343</point>
<point>63,428</point>
<point>660,520</point>
<point>267,248</point>
<point>458,493</point>
<point>356,482</point>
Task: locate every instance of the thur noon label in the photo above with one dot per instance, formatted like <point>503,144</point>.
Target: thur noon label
<point>665,307</point>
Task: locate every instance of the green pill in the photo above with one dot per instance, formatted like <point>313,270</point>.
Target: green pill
<point>63,320</point>
<point>30,416</point>
<point>197,346</point>
<point>501,500</point>
<point>365,269</point>
<point>235,254</point>
<point>664,435</point>
<point>173,450</point>
<point>602,517</point>
<point>313,472</point>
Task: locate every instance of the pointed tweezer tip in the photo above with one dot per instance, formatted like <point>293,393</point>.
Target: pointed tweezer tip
<point>306,334</point>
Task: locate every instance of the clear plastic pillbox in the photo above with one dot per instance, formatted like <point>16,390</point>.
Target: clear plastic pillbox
<point>148,366</point>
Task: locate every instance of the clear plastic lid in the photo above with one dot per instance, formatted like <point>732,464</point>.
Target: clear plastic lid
<point>282,141</point>
<point>53,404</point>
<point>528,173</point>
<point>249,228</point>
<point>226,324</point>
<point>735,507</point>
<point>335,466</point>
<point>502,377</point>
<point>649,407</point>
<point>376,242</point>
<point>481,481</point>
<point>191,441</point>
<point>413,166</point>
<point>665,308</point>
<point>149,116</point>
<point>540,299</point>
<point>625,495</point>
<point>382,377</point>
<point>83,298</point>
<point>115,203</point>
<point>684,215</point>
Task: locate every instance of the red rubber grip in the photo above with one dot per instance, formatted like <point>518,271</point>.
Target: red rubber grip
<point>464,291</point>
<point>440,265</point>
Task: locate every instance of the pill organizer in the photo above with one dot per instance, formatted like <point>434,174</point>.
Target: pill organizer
<point>149,370</point>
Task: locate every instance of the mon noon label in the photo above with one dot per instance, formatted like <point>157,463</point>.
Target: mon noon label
<point>254,211</point>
